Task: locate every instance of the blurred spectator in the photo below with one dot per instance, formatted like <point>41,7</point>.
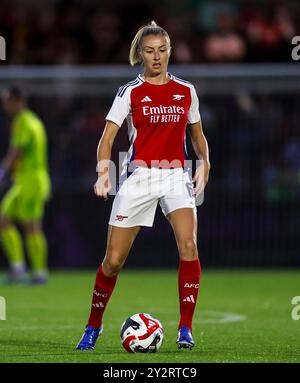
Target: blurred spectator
<point>105,37</point>
<point>226,45</point>
<point>180,36</point>
<point>267,31</point>
<point>93,32</point>
<point>181,53</point>
<point>207,14</point>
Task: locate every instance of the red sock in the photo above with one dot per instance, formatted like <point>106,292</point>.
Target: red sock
<point>103,289</point>
<point>188,286</point>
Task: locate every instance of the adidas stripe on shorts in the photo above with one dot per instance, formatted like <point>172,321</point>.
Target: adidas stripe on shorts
<point>136,201</point>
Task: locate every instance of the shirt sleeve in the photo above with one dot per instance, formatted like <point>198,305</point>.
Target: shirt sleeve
<point>20,136</point>
<point>120,107</point>
<point>194,114</point>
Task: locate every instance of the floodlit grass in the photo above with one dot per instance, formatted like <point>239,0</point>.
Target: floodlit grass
<point>241,316</point>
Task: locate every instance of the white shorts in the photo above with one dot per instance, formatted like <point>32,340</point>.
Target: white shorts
<point>136,201</point>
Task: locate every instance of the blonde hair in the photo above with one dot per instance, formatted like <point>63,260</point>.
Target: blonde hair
<point>146,30</point>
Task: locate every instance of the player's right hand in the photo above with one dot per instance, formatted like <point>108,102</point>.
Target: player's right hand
<point>102,186</point>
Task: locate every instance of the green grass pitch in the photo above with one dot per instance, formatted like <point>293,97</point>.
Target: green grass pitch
<point>241,316</point>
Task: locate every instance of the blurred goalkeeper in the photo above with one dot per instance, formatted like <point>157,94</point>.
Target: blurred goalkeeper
<point>24,202</point>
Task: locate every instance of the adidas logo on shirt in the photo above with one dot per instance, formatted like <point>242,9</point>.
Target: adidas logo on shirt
<point>146,99</point>
<point>190,298</point>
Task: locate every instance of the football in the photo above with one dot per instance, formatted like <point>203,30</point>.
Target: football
<point>142,333</point>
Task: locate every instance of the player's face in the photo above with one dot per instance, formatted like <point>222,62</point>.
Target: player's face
<point>8,103</point>
<point>155,53</point>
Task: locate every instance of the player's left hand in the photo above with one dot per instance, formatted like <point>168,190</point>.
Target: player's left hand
<point>201,177</point>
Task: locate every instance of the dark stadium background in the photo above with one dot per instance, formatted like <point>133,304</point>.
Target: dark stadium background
<point>71,57</point>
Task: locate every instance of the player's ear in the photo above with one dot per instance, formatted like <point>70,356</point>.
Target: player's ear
<point>170,49</point>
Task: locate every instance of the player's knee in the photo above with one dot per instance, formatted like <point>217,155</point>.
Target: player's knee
<point>32,227</point>
<point>112,263</point>
<point>4,222</point>
<point>188,249</point>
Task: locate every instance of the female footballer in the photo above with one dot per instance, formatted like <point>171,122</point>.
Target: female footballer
<point>159,107</point>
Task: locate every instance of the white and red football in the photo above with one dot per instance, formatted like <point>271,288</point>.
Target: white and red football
<point>142,333</point>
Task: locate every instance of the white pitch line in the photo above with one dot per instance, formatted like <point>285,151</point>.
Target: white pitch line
<point>218,317</point>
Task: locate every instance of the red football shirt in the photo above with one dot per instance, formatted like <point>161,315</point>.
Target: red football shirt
<point>157,116</point>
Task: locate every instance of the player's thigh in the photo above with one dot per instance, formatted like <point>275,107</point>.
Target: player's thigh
<point>119,241</point>
<point>31,208</point>
<point>184,224</point>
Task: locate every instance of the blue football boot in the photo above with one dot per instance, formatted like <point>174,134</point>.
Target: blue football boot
<point>39,279</point>
<point>15,278</point>
<point>185,339</point>
<point>89,338</point>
